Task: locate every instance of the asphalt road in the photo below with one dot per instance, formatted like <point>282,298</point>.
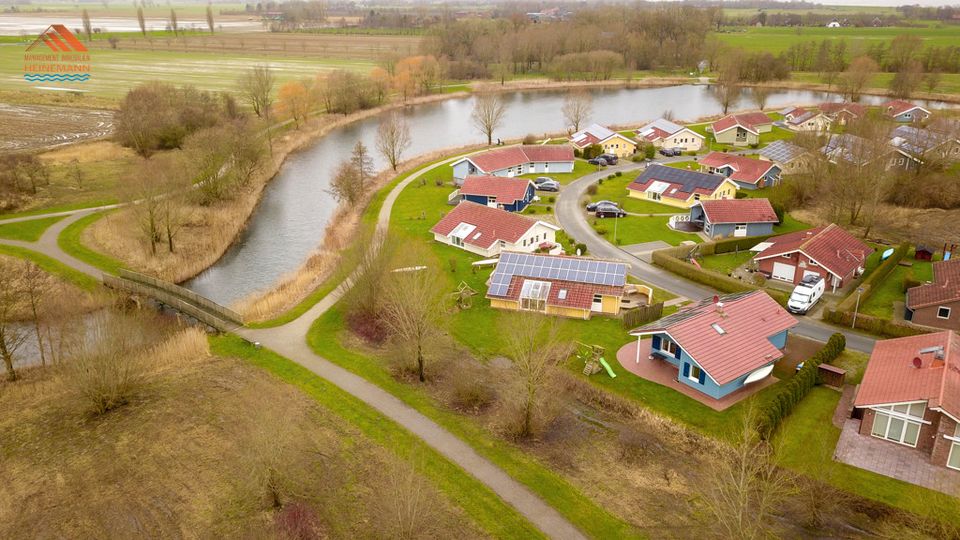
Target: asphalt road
<point>573,220</point>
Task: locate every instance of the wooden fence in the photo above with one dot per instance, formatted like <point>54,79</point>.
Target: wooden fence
<point>183,300</point>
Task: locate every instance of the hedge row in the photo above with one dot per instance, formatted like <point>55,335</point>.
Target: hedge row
<point>671,259</point>
<point>870,282</point>
<point>729,245</point>
<point>781,404</point>
<point>873,325</point>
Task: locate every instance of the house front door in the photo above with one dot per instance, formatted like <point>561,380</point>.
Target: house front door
<point>597,305</point>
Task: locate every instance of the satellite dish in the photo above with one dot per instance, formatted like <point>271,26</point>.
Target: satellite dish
<point>716,298</point>
<point>917,362</point>
<point>578,252</point>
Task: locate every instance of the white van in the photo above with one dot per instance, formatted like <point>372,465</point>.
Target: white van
<point>806,294</point>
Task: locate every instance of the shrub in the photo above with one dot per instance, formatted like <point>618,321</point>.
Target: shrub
<point>472,392</point>
<point>755,146</point>
<point>531,209</point>
<point>789,395</point>
<point>577,153</point>
<point>601,230</point>
<point>438,182</point>
<point>740,194</point>
<point>592,189</point>
<point>453,265</point>
<point>552,199</point>
<point>649,151</point>
<point>636,158</point>
<point>549,209</point>
<point>633,444</point>
<point>368,327</point>
<point>619,173</point>
<point>529,139</point>
<point>600,181</point>
<point>592,151</point>
<point>873,325</point>
<point>298,521</point>
<point>779,211</point>
<point>582,248</point>
<point>611,176</point>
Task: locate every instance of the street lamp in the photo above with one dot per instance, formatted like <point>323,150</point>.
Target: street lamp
<point>857,308</point>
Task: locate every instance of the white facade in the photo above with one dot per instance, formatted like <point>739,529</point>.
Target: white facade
<point>689,140</point>
<point>537,234</point>
<point>465,168</point>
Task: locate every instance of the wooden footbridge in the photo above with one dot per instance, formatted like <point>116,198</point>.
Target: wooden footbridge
<point>176,297</point>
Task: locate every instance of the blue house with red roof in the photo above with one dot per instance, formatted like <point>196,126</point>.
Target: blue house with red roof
<point>722,344</point>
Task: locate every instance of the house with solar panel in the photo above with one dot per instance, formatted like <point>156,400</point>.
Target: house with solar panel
<point>679,187</point>
<point>576,287</point>
<point>611,141</point>
<point>514,161</point>
<point>663,133</point>
<point>791,159</point>
<point>747,172</point>
<point>718,345</point>
<point>487,231</point>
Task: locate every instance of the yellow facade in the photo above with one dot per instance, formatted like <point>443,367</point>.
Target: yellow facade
<point>726,190</point>
<point>620,146</point>
<point>609,305</point>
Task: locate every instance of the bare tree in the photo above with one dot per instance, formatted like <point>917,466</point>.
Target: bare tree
<point>77,173</point>
<point>12,334</point>
<point>743,488</point>
<point>141,21</point>
<point>407,502</point>
<point>577,108</point>
<point>257,86</point>
<point>173,21</point>
<point>412,306</point>
<point>906,80</point>
<point>210,18</point>
<point>759,94</point>
<point>87,27</point>
<point>532,343</point>
<point>393,138</point>
<point>488,113</point>
<point>362,161</point>
<point>346,185</point>
<point>857,75</point>
<point>727,88</point>
<point>932,80</point>
<point>36,285</point>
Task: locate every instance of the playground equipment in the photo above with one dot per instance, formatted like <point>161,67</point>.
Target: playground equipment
<point>463,296</point>
<point>593,361</point>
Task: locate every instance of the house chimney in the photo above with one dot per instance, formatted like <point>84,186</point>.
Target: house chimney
<point>720,309</point>
<point>917,362</point>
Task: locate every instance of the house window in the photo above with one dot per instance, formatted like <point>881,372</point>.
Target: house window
<point>696,196</point>
<point>457,241</point>
<point>741,227</point>
<point>533,295</point>
<point>695,373</point>
<point>953,459</point>
<point>813,263</point>
<point>785,256</point>
<point>653,196</point>
<point>597,298</point>
<point>668,346</point>
<point>943,312</point>
<point>899,423</point>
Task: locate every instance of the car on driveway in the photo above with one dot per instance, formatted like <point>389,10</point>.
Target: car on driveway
<point>592,207</point>
<point>598,161</point>
<point>671,152</point>
<point>549,185</point>
<point>611,159</point>
<point>609,210</point>
<point>541,179</point>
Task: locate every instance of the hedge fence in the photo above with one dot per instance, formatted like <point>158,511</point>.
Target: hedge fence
<point>780,405</point>
<point>869,283</point>
<point>672,259</point>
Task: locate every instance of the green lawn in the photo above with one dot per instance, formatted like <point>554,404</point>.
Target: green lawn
<point>790,224</point>
<point>52,266</point>
<point>638,229</point>
<point>890,290</point>
<point>27,231</point>
<point>726,262</point>
<point>854,362</point>
<point>69,242</point>
<point>776,134</point>
<point>777,39</point>
<point>806,441</point>
<point>485,507</point>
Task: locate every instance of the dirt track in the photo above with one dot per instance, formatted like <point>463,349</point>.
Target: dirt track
<point>35,127</point>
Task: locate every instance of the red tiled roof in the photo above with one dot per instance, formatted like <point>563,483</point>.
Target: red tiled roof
<point>656,133</point>
<point>748,320</point>
<point>739,211</point>
<point>748,121</point>
<point>506,190</point>
<point>577,295</point>
<point>897,107</point>
<point>796,111</point>
<point>745,169</point>
<point>892,378</point>
<point>945,287</point>
<point>832,247</point>
<point>492,224</point>
<point>502,158</point>
<point>754,118</point>
<point>854,109</point>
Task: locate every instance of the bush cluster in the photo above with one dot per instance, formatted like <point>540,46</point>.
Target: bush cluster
<point>781,404</point>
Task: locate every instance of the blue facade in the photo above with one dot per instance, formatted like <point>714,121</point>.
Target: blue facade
<point>517,206</point>
<point>724,230</point>
<point>692,374</point>
<point>771,178</point>
<point>915,115</point>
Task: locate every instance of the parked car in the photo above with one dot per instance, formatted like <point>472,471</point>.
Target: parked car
<point>610,158</point>
<point>598,161</point>
<point>670,152</point>
<point>548,185</point>
<point>806,294</point>
<point>541,179</point>
<point>609,210</point>
<point>592,207</point>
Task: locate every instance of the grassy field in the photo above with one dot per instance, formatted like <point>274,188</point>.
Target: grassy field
<point>52,266</point>
<point>638,229</point>
<point>27,231</point>
<point>70,242</point>
<point>949,82</point>
<point>776,39</point>
<point>890,289</point>
<point>726,262</point>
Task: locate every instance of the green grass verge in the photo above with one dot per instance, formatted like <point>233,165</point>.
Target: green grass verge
<point>726,262</point>
<point>550,486</point>
<point>890,289</point>
<point>776,39</point>
<point>69,242</point>
<point>638,229</point>
<point>810,424</point>
<point>58,208</point>
<point>52,266</point>
<point>486,508</point>
<point>27,231</point>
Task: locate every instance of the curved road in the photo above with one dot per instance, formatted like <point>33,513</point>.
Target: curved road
<point>573,220</point>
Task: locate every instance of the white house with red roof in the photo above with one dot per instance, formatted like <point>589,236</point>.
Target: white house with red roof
<point>680,187</point>
<point>733,217</point>
<point>510,194</point>
<point>611,141</point>
<point>576,287</point>
<point>663,133</point>
<point>747,172</point>
<point>741,129</point>
<point>487,231</point>
<point>722,344</point>
<point>801,119</point>
<point>516,160</point>
<point>910,395</point>
<point>844,113</point>
<point>904,111</point>
<point>829,252</point>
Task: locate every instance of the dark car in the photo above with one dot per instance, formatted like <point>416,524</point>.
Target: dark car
<point>598,161</point>
<point>592,207</point>
<point>541,179</point>
<point>549,185</point>
<point>609,210</point>
<point>610,158</point>
<point>670,152</point>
